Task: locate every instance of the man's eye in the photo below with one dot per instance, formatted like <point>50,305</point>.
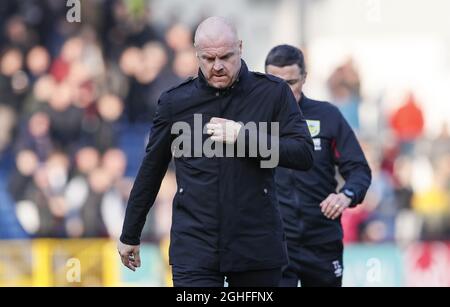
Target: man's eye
<point>292,82</point>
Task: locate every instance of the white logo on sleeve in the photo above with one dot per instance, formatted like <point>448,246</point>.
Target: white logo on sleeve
<point>317,144</point>
<point>337,268</point>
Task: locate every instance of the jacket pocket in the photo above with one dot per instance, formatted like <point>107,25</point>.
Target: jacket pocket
<point>178,199</point>
<point>271,213</point>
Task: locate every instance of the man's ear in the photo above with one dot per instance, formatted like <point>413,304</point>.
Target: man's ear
<point>305,75</point>
<point>240,47</point>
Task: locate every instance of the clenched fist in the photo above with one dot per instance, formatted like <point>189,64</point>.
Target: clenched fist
<point>223,130</point>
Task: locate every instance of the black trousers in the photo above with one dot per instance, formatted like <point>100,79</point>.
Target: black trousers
<point>188,277</point>
<point>314,265</point>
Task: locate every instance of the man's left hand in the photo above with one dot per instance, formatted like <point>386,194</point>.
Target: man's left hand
<point>334,205</point>
<point>223,130</point>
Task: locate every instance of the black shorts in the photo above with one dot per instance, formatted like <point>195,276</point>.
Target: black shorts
<point>188,277</point>
<point>314,265</point>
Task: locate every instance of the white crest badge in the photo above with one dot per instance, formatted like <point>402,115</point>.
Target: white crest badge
<point>314,127</point>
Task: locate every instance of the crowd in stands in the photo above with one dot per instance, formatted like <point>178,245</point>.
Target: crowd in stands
<point>76,104</point>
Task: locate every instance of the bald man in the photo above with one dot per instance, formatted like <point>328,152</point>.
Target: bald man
<point>225,222</point>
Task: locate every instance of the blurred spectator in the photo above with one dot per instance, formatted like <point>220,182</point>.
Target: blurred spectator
<point>93,224</point>
<point>71,53</point>
<point>403,190</point>
<point>18,34</point>
<point>26,164</point>
<point>147,81</point>
<point>179,37</point>
<point>110,109</point>
<point>380,204</point>
<point>114,201</point>
<point>36,136</point>
<point>126,24</point>
<point>38,62</point>
<point>45,196</point>
<point>345,87</point>
<point>431,200</point>
<point>65,118</point>
<point>185,64</point>
<point>441,144</point>
<point>408,223</point>
<point>13,80</point>
<point>87,159</point>
<point>114,162</point>
<point>130,61</point>
<point>7,122</point>
<point>41,94</point>
<point>407,123</point>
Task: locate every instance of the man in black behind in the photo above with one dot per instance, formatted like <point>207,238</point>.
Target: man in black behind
<point>309,204</point>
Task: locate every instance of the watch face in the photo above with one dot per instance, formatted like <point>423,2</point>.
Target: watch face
<point>349,193</point>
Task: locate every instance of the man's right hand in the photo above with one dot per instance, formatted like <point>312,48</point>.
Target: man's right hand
<point>129,254</point>
<point>223,130</point>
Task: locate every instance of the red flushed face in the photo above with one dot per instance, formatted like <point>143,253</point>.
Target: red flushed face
<point>220,63</point>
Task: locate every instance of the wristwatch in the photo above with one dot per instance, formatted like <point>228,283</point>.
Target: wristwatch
<point>350,194</point>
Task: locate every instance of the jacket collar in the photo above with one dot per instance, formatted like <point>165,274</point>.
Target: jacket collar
<point>238,83</point>
<point>302,100</point>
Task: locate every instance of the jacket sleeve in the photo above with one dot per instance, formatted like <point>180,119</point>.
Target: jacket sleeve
<point>292,142</point>
<point>150,175</point>
<point>351,162</point>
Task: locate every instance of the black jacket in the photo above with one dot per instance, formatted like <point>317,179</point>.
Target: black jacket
<point>225,213</point>
<point>301,192</point>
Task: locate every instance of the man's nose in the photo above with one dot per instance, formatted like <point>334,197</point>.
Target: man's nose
<point>217,65</point>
